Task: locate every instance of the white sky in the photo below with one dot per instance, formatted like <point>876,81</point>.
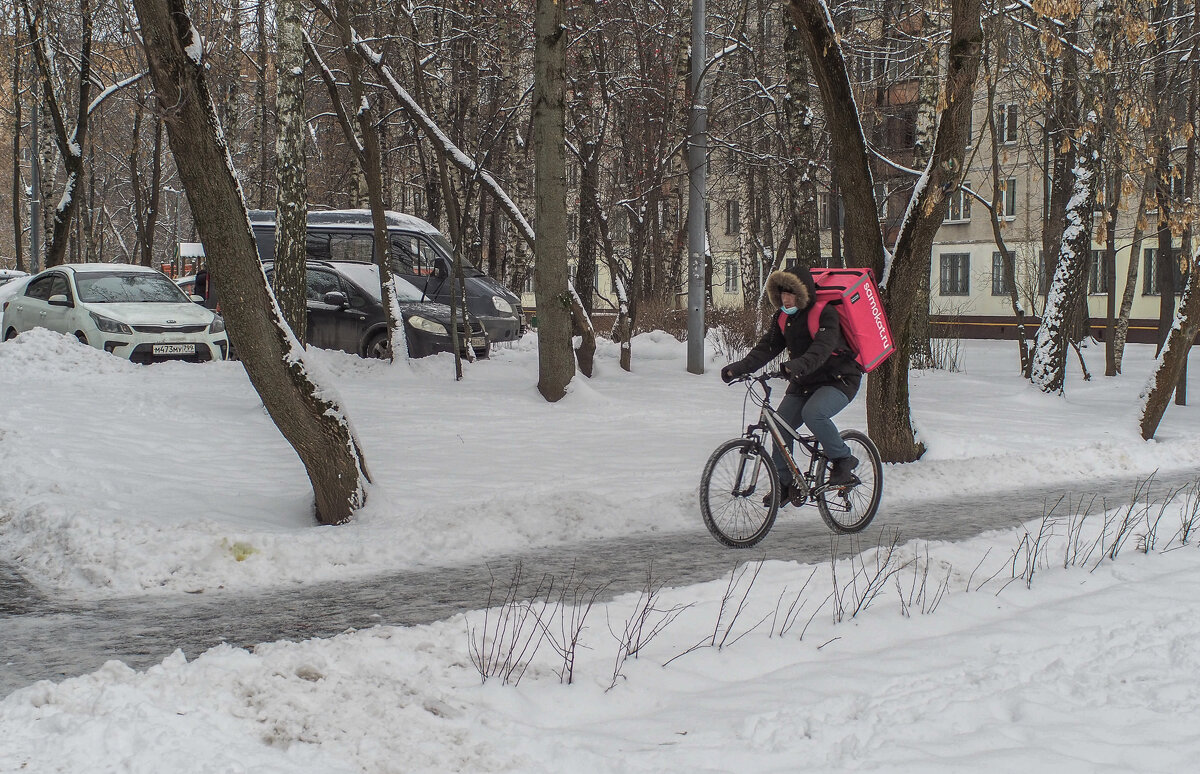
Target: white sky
<point>119,480</point>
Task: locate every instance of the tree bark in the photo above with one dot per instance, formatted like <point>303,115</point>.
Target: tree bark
<point>70,143</point>
<point>17,193</point>
<point>556,364</point>
<point>311,421</point>
<point>1076,178</point>
<point>888,412</point>
<point>291,171</point>
<point>851,169</point>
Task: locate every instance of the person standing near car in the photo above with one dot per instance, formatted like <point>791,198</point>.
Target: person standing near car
<point>201,286</point>
<point>822,372</point>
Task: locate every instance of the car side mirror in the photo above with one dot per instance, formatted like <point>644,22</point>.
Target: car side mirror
<point>439,271</point>
<point>59,300</point>
<point>196,299</point>
<point>336,298</point>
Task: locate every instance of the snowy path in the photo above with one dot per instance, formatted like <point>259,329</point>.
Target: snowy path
<point>44,639</point>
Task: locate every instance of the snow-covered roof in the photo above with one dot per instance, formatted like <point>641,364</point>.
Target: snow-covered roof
<point>191,249</point>
<point>88,268</point>
<point>350,219</point>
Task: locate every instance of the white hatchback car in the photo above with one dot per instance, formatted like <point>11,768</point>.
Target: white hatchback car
<point>128,310</point>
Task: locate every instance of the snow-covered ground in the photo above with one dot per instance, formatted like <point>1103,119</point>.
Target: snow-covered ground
<point>116,479</point>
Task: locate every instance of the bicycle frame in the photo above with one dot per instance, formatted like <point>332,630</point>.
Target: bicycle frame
<point>771,423</point>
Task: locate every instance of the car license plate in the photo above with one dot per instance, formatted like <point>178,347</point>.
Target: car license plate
<point>174,349</point>
<point>478,341</point>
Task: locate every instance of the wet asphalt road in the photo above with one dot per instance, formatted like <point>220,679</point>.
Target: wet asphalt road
<point>42,637</point>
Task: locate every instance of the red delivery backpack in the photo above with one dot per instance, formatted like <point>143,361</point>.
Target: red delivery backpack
<point>855,296</point>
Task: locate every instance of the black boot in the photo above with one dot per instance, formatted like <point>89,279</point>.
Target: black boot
<point>841,472</point>
<point>785,496</point>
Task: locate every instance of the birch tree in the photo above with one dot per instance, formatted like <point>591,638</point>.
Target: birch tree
<point>291,180</point>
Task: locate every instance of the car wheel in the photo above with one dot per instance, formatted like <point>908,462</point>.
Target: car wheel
<point>82,339</point>
<point>378,346</point>
<point>10,334</point>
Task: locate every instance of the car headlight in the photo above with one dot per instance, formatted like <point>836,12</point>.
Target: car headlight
<point>107,325</point>
<point>427,325</point>
<point>501,305</point>
<point>218,325</point>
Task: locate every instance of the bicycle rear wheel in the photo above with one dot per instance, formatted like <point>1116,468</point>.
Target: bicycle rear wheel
<point>850,508</point>
<point>739,493</point>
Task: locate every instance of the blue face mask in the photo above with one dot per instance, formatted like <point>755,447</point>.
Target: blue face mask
<point>790,309</point>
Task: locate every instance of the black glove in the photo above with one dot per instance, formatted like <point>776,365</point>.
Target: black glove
<point>729,373</point>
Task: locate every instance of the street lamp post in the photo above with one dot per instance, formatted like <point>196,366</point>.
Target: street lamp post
<point>697,161</point>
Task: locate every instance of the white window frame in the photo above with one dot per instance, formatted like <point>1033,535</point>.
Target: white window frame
<point>732,274</point>
<point>1007,116</point>
<point>960,206</point>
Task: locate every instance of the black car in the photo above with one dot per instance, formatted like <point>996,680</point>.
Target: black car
<point>345,312</point>
<point>417,252</point>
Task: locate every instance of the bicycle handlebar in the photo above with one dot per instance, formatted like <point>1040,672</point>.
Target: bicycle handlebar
<point>762,378</point>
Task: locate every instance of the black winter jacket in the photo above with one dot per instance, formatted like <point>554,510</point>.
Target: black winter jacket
<point>823,360</point>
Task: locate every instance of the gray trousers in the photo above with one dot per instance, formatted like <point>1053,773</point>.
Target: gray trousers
<point>816,412</point>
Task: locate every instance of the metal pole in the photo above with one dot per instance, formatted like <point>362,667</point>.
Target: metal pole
<point>35,208</point>
<point>697,161</point>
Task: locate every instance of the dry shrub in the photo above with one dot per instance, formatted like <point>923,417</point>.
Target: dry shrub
<point>734,331</point>
<point>655,314</point>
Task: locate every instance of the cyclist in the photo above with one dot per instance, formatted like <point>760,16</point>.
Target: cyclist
<point>823,375</point>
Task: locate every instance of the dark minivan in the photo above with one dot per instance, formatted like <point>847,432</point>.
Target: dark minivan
<point>417,252</point>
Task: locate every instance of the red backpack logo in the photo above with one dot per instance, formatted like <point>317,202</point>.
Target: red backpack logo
<point>855,296</point>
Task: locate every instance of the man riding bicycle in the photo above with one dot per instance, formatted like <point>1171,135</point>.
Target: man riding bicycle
<point>822,372</point>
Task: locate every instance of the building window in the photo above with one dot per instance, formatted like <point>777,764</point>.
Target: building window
<point>960,206</point>
<point>1000,285</point>
<point>731,276</point>
<point>1006,123</point>
<point>528,286</point>
<point>733,217</point>
<point>1150,264</point>
<point>1097,279</point>
<point>881,200</point>
<point>955,274</point>
<point>1008,199</point>
<point>826,207</point>
<point>572,174</point>
<point>572,226</point>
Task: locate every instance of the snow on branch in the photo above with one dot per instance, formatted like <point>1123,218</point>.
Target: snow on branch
<point>447,146</point>
<point>114,89</point>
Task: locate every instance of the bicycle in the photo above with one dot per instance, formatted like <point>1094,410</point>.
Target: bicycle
<point>740,507</point>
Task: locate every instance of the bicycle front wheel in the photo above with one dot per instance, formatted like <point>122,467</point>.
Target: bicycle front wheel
<point>739,493</point>
<point>850,508</point>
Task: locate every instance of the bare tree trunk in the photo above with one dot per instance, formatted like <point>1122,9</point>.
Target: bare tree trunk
<point>888,411</point>
<point>260,102</point>
<point>291,171</point>
<point>17,193</point>
<point>308,418</point>
<point>556,365</point>
<point>928,91</point>
<point>1007,257</point>
<point>851,170</point>
<point>363,138</point>
<point>1131,274</point>
<point>1079,178</point>
<point>70,143</point>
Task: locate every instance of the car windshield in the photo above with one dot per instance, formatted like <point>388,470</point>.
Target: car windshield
<point>128,287</point>
<point>406,291</point>
<point>469,269</point>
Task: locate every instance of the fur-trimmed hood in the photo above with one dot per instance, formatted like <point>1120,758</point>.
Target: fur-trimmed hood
<point>796,279</point>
